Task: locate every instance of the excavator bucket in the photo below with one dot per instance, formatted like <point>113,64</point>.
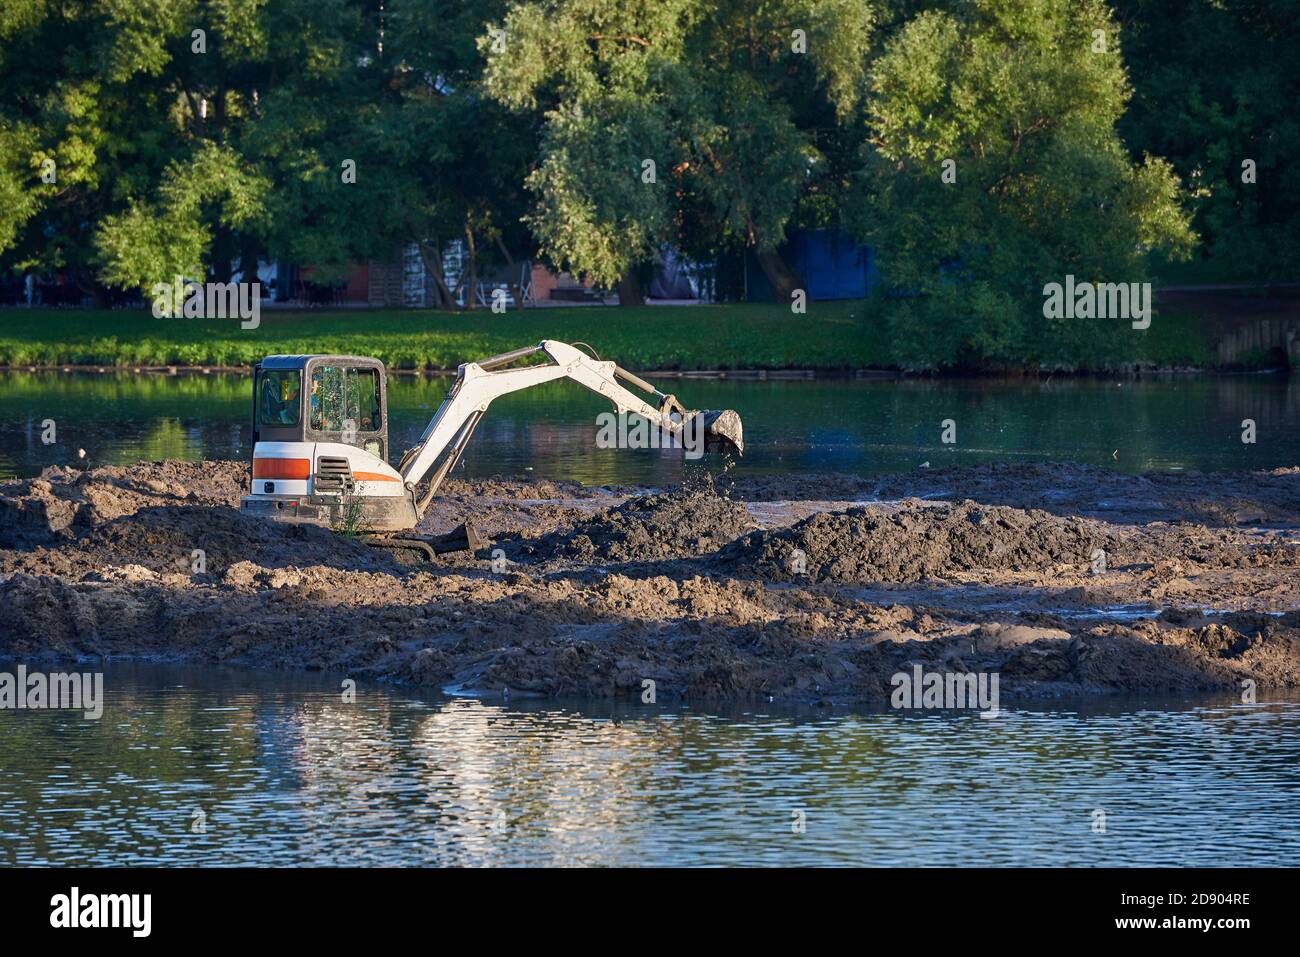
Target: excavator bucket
<point>722,431</point>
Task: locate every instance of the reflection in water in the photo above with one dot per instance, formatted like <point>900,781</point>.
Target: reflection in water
<point>286,773</point>
<point>853,425</point>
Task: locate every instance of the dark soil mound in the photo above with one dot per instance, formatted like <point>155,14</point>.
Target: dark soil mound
<point>688,520</point>
<point>164,538</point>
<point>156,515</point>
<point>914,542</point>
<point>64,503</point>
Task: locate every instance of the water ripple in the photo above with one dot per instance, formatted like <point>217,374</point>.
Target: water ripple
<point>232,769</point>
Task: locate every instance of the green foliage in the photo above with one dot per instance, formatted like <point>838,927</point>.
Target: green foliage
<point>1216,83</point>
<point>155,242</point>
<point>1022,98</point>
<point>720,95</point>
<point>352,524</point>
<point>188,154</point>
<point>17,201</point>
<point>759,117</point>
<point>595,211</point>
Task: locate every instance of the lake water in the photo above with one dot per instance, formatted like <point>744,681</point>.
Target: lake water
<point>279,771</point>
<point>845,425</point>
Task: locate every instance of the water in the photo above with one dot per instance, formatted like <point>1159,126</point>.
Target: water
<point>285,773</point>
<point>843,425</point>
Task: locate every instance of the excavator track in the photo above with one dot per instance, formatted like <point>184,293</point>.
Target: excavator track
<point>463,538</point>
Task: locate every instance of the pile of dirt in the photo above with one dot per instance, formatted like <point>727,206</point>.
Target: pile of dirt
<point>32,514</point>
<point>1230,499</point>
<point>64,504</point>
<point>697,591</point>
<point>158,516</point>
<point>914,542</point>
<point>685,521</point>
<point>166,538</point>
<point>217,482</point>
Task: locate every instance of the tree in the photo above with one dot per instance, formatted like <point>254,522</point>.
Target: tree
<point>192,137</point>
<point>143,108</point>
<point>1215,86</point>
<point>471,154</point>
<point>151,242</point>
<point>676,120</point>
<point>995,169</point>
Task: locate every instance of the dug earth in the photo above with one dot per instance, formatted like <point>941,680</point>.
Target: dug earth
<point>1060,579</point>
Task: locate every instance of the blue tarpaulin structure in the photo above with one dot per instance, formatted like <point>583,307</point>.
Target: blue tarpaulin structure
<point>832,264</point>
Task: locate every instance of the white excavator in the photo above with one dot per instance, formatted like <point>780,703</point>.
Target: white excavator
<point>320,437</point>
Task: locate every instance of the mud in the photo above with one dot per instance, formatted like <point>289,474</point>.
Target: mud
<point>913,542</point>
<point>812,588</point>
<point>692,519</point>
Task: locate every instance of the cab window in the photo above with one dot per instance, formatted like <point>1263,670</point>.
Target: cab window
<point>344,398</point>
<point>279,397</point>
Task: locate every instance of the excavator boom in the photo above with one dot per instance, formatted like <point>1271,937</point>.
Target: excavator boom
<point>479,383</point>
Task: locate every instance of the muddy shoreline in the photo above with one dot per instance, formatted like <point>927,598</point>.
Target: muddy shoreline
<point>805,588</point>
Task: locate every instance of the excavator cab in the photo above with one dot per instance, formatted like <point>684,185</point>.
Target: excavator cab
<point>341,399</point>
<point>320,445</point>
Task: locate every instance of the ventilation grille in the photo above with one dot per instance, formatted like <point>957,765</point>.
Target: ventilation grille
<point>333,474</point>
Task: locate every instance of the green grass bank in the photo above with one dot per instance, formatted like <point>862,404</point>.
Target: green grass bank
<point>832,336</point>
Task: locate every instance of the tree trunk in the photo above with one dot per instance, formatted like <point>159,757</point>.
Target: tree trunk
<point>249,254</point>
<point>222,254</point>
<point>433,266</point>
<point>471,294</point>
<point>516,289</point>
<point>783,280</point>
<point>629,289</point>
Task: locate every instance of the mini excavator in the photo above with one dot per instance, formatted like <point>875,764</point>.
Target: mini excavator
<point>321,446</point>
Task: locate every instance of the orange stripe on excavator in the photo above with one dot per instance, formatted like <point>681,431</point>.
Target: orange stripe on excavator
<point>281,468</point>
<point>372,477</point>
